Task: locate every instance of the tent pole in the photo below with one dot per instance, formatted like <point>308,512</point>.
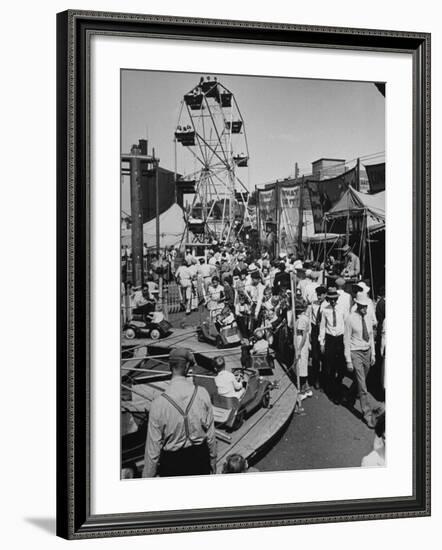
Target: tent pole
<point>324,230</point>
<point>363,242</point>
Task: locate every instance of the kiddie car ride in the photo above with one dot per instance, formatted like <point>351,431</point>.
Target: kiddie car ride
<point>230,412</point>
<point>220,336</point>
<point>147,323</point>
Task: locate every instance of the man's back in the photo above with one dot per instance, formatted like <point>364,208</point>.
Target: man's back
<point>169,431</point>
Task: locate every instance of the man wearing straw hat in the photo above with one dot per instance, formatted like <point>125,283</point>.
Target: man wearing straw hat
<point>181,431</point>
<point>360,353</point>
<point>352,267</point>
<point>331,340</point>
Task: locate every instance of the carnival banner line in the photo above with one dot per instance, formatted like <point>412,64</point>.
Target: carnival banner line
<point>289,206</point>
<point>267,212</point>
<point>324,194</point>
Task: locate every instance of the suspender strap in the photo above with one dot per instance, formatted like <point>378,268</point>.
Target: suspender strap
<point>185,413</point>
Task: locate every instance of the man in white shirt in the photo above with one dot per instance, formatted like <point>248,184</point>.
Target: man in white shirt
<point>309,293</point>
<point>360,353</point>
<point>183,277</point>
<point>344,299</point>
<point>206,272</point>
<point>362,290</point>
<point>331,340</point>
<point>255,291</point>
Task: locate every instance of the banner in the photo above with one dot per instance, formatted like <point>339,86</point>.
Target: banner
<point>326,193</point>
<point>267,214</point>
<point>376,177</point>
<point>289,203</point>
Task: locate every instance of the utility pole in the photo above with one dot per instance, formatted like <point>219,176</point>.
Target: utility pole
<point>157,203</point>
<point>136,216</point>
<point>301,214</point>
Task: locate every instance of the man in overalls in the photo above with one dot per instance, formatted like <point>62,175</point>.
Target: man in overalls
<point>181,431</point>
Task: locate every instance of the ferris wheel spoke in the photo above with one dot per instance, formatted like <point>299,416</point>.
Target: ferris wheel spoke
<point>204,162</point>
<point>207,144</point>
<point>216,129</point>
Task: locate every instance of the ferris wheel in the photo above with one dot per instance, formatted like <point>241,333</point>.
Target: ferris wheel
<point>211,130</point>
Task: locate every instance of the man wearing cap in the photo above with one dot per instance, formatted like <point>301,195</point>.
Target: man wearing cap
<point>331,340</point>
<point>352,267</point>
<point>360,353</point>
<point>181,431</point>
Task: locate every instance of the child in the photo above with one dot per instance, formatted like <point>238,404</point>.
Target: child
<point>261,345</point>
<point>237,464</point>
<point>226,382</point>
<point>225,318</point>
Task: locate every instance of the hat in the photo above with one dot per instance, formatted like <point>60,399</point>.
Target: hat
<point>308,272</point>
<point>297,264</point>
<point>259,332</point>
<point>346,248</point>
<point>362,300</point>
<point>180,356</point>
<point>332,293</point>
<point>365,288</point>
<point>340,281</point>
<point>252,267</point>
<point>282,255</point>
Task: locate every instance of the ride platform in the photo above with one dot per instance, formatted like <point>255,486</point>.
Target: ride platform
<point>257,431</point>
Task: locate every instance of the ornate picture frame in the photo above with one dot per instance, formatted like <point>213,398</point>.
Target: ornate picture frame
<point>74,32</point>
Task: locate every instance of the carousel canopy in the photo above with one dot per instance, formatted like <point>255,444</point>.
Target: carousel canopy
<point>353,203</point>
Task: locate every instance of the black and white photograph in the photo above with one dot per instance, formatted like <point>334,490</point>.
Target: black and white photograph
<point>253,288</point>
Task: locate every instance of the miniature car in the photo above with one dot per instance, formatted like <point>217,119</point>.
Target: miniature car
<point>261,362</point>
<point>230,412</point>
<point>219,336</point>
<point>146,323</point>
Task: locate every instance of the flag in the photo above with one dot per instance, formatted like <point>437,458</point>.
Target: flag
<point>376,177</point>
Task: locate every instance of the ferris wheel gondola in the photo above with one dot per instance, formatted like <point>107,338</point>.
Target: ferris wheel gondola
<point>211,130</point>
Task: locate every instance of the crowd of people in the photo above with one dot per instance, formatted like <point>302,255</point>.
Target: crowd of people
<point>339,328</point>
<point>320,323</point>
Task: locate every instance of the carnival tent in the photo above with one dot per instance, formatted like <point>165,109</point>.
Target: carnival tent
<point>172,227</point>
<point>354,202</point>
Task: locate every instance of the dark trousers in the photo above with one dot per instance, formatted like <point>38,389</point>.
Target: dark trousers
<point>315,370</point>
<point>190,461</point>
<point>334,365</point>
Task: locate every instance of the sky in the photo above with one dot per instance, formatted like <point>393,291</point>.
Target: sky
<point>287,120</point>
